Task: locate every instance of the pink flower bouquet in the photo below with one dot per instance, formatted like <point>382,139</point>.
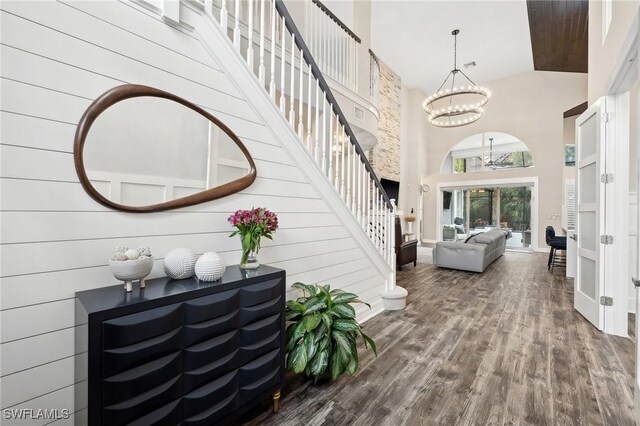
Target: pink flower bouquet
<point>252,225</point>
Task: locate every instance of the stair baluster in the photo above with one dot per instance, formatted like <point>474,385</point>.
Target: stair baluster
<point>329,139</point>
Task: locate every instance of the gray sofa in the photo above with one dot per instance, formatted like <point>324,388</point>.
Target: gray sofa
<point>473,255</point>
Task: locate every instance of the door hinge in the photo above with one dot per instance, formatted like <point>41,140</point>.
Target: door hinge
<point>606,239</point>
<point>606,177</point>
<point>606,301</point>
<point>607,117</point>
<point>635,281</point>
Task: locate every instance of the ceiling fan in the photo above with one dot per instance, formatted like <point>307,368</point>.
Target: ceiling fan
<point>491,163</point>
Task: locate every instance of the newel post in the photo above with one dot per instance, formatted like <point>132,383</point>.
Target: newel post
<point>395,297</point>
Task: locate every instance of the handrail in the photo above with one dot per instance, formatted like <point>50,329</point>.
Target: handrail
<point>293,29</point>
<point>335,19</point>
<point>375,57</point>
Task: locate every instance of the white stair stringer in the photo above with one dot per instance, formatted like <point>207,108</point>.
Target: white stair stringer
<point>217,44</point>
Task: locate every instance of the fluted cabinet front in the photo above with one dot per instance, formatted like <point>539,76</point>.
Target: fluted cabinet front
<point>199,360</point>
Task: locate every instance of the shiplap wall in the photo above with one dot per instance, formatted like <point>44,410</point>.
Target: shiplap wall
<point>57,57</point>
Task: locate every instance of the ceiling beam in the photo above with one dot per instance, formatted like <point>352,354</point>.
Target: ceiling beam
<point>576,110</point>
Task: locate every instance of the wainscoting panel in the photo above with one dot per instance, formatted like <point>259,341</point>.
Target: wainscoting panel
<point>57,58</point>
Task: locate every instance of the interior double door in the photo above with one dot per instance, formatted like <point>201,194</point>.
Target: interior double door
<point>590,213</point>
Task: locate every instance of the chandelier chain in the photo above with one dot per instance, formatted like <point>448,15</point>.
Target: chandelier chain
<point>455,52</point>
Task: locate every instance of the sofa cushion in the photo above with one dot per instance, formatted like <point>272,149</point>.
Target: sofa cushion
<point>484,239</point>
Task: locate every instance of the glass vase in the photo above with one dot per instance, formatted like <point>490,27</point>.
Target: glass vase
<point>249,259</point>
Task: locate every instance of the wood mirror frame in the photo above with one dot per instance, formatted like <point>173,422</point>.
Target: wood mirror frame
<point>128,91</point>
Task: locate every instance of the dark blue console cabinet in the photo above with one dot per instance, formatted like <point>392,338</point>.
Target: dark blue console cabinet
<point>183,351</point>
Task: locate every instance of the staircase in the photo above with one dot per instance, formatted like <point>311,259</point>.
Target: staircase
<point>264,35</point>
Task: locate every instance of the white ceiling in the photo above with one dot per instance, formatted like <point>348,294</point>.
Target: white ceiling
<point>414,39</point>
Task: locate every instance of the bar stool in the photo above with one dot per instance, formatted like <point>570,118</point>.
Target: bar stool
<point>555,244</point>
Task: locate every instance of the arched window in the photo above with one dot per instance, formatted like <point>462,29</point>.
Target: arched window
<point>487,151</point>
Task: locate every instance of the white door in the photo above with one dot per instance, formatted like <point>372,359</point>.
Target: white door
<point>589,281</point>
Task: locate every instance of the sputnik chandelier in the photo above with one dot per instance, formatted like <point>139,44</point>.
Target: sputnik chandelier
<point>443,111</point>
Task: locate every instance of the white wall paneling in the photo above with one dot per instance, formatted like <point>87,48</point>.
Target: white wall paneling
<point>63,397</point>
<point>46,227</point>
<point>27,321</point>
<point>50,287</point>
<point>19,387</point>
<point>68,107</point>
<point>57,58</point>
<point>21,355</point>
<point>20,259</point>
<point>69,196</point>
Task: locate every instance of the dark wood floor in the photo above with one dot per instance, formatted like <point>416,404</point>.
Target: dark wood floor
<point>502,347</point>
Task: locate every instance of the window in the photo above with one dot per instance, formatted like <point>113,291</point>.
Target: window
<point>488,152</point>
<point>474,210</point>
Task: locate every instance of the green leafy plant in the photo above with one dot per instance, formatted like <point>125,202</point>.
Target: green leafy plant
<point>322,331</point>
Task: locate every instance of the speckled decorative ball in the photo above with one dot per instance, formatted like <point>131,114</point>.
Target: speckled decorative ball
<point>119,256</point>
<point>120,249</point>
<point>180,263</point>
<point>210,267</point>
<point>144,251</point>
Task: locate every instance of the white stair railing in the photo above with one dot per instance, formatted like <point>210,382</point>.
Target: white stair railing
<point>333,45</point>
<point>374,78</point>
<point>298,89</point>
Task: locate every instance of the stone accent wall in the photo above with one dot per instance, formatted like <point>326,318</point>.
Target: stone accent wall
<point>385,156</point>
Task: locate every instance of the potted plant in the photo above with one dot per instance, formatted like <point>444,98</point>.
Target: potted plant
<point>252,225</point>
<point>322,331</point>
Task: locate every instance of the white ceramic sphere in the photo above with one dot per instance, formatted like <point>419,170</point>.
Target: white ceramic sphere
<point>180,263</point>
<point>210,267</point>
<point>132,254</point>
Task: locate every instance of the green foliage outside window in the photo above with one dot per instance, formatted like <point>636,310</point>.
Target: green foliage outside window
<point>518,159</point>
<point>515,208</point>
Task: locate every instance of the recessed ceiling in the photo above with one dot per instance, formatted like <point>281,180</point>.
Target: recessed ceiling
<point>559,34</point>
<point>414,39</point>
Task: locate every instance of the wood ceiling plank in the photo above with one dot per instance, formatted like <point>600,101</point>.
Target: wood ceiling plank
<point>559,34</point>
